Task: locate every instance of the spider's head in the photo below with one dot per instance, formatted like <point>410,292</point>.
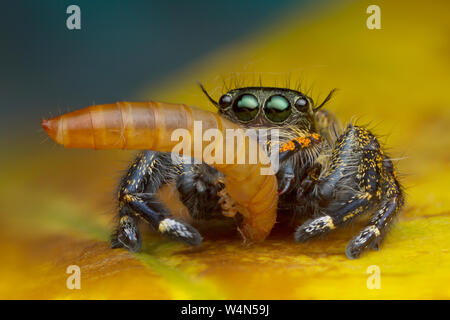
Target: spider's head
<point>266,107</point>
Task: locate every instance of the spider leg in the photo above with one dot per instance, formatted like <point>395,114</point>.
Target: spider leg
<point>148,207</point>
<point>138,199</point>
<point>127,233</point>
<point>356,180</point>
<point>328,222</point>
<point>390,205</point>
<point>347,187</point>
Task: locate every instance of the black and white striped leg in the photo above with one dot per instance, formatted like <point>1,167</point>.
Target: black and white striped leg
<point>324,224</point>
<point>350,186</point>
<point>137,198</point>
<point>372,235</point>
<point>127,234</point>
<point>148,207</point>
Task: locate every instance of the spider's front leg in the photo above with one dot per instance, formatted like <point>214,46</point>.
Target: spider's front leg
<point>390,204</point>
<point>138,199</point>
<point>127,233</point>
<point>359,178</point>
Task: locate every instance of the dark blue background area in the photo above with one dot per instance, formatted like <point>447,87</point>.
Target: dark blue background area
<point>121,46</point>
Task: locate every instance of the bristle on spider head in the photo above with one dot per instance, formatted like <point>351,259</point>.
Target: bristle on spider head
<point>215,103</point>
<point>329,96</point>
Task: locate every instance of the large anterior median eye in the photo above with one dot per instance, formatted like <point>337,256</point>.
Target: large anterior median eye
<point>277,108</point>
<point>246,107</point>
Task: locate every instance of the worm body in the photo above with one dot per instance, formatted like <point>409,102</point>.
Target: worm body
<point>149,125</point>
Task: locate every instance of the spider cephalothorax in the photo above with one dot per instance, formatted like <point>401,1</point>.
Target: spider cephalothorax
<point>327,176</point>
<point>268,107</point>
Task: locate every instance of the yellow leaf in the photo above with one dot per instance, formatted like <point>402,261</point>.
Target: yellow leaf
<point>57,205</point>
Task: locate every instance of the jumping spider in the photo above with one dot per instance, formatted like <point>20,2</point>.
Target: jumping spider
<point>326,175</point>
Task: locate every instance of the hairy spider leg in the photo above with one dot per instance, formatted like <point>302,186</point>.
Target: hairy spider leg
<point>356,181</point>
<point>138,198</point>
<point>388,208</point>
<point>127,233</point>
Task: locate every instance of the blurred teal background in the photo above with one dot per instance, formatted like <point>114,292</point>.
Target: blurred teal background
<point>122,46</point>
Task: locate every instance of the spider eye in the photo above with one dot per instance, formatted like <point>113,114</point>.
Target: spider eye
<point>301,103</point>
<point>246,107</point>
<point>277,108</point>
<point>225,100</point>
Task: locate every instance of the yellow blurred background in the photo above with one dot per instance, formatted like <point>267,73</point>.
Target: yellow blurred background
<point>57,205</point>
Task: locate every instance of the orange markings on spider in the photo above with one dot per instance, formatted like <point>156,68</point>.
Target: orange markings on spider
<point>303,141</point>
